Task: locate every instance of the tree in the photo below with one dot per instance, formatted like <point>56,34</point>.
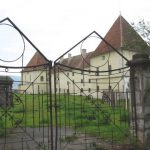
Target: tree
<point>143,29</point>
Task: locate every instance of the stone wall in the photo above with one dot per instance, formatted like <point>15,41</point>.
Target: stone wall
<point>140,87</point>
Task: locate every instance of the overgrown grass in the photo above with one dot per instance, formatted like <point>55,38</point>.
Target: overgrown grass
<point>95,117</point>
<point>92,117</point>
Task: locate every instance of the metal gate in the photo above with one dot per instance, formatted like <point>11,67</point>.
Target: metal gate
<point>78,103</point>
<point>25,93</point>
<point>93,99</point>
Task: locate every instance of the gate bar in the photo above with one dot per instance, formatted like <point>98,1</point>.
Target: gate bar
<point>85,39</point>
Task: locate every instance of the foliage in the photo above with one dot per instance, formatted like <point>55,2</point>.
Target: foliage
<point>143,29</point>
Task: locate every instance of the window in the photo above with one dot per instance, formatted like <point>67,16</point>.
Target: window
<point>89,80</point>
<point>89,71</point>
<point>89,90</point>
<point>68,74</point>
<point>41,78</point>
<point>72,73</point>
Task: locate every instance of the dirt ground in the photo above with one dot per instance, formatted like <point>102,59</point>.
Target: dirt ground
<point>67,139</point>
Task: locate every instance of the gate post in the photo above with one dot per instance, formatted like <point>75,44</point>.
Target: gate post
<point>140,88</point>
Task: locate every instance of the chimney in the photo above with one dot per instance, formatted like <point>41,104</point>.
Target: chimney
<point>69,57</point>
<point>61,59</point>
<point>83,52</point>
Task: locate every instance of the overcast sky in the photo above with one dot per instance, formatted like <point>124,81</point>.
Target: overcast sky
<point>54,26</point>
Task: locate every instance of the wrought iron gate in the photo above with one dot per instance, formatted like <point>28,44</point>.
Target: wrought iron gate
<point>25,96</point>
<point>78,103</point>
<point>93,99</point>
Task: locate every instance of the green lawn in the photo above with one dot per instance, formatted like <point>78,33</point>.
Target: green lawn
<point>92,117</point>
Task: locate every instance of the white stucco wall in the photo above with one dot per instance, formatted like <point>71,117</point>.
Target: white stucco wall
<point>38,78</point>
<point>118,81</point>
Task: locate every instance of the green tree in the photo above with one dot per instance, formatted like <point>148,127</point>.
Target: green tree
<point>143,29</point>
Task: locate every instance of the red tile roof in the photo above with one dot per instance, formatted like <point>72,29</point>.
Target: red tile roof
<point>77,61</point>
<point>36,60</point>
<point>121,34</point>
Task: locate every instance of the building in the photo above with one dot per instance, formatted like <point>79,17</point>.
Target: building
<point>35,72</point>
<point>110,68</point>
<point>102,69</point>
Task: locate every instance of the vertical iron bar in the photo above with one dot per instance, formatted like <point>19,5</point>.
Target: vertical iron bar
<point>33,108</point>
<point>48,105</point>
<point>43,118</point>
<point>68,107</point>
<point>124,113</point>
<point>81,107</point>
<point>5,127</point>
<point>98,111</point>
<point>51,104</point>
<point>109,87</point>
<point>6,111</point>
<point>128,108</point>
<point>60,105</point>
<point>39,107</point>
<point>25,111</point>
<point>74,107</point>
<point>65,114</point>
<point>55,95</point>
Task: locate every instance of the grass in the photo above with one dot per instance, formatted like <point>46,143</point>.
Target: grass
<point>95,117</point>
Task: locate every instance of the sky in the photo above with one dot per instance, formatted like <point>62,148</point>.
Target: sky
<point>54,26</point>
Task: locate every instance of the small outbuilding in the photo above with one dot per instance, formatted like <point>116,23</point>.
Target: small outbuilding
<point>6,97</point>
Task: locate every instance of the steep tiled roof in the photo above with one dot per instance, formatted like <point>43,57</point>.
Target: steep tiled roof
<point>121,34</point>
<point>36,60</point>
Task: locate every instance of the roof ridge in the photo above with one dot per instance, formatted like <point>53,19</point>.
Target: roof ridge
<point>118,36</point>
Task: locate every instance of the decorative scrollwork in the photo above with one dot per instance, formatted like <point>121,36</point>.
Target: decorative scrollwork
<point>13,113</point>
<point>10,36</point>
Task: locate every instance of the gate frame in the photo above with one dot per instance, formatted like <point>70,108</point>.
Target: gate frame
<point>56,62</point>
<point>49,67</point>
